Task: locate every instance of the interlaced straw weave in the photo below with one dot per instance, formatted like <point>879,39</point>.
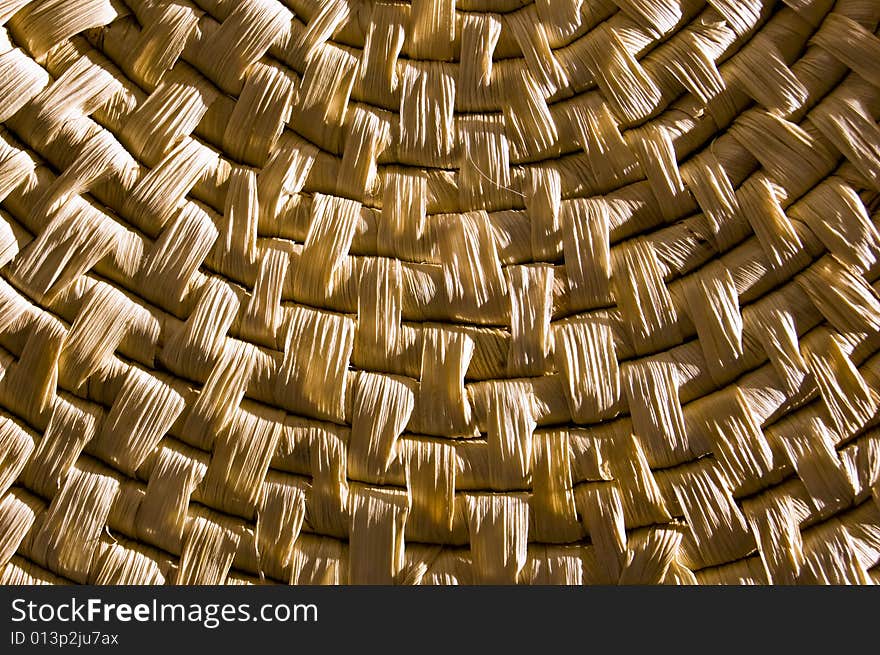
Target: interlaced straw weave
<point>443,291</point>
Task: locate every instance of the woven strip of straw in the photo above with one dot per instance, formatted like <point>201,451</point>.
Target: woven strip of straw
<point>437,292</point>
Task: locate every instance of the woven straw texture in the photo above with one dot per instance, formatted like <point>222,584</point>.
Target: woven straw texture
<point>436,292</point>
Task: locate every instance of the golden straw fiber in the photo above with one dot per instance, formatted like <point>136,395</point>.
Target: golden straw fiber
<point>439,291</point>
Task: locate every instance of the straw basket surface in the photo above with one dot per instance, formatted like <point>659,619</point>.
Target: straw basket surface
<point>440,291</point>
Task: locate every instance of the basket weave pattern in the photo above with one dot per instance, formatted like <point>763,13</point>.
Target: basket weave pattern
<point>445,291</point>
